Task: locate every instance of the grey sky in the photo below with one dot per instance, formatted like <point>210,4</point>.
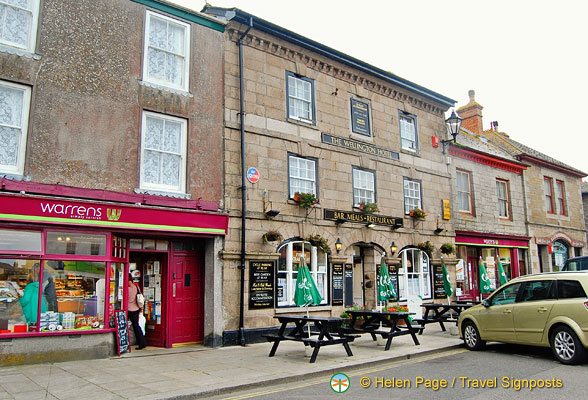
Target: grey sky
<point>526,60</point>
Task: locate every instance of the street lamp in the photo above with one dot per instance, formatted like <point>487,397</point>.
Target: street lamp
<point>453,125</point>
<point>338,245</point>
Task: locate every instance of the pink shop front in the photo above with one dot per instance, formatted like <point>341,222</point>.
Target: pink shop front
<point>64,267</point>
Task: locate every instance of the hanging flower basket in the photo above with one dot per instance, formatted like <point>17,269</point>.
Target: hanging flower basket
<point>427,247</point>
<point>447,248</point>
<point>320,242</point>
<point>272,236</point>
<point>306,200</point>
<point>417,213</point>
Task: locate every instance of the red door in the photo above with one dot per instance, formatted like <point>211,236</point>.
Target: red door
<point>187,299</point>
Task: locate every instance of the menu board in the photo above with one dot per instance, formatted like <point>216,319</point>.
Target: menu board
<point>348,278</point>
<point>438,282</point>
<point>122,332</point>
<point>337,284</point>
<point>261,284</point>
<point>393,274</point>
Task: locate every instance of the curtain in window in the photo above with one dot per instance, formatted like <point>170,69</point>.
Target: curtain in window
<point>463,191</point>
<point>11,103</point>
<point>16,17</point>
<point>300,101</point>
<point>166,51</point>
<point>412,195</point>
<point>162,156</point>
<point>363,186</point>
<point>407,133</point>
<point>302,176</point>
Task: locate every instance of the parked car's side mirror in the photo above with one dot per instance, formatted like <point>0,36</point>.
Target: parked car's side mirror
<point>486,303</point>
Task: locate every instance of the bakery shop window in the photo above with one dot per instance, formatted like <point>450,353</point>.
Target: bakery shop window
<point>74,292</point>
<point>82,244</point>
<point>19,295</point>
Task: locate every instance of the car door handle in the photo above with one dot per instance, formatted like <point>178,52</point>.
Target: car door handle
<point>507,312</point>
<point>541,309</point>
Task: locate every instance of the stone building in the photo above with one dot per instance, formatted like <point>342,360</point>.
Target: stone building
<point>488,205</point>
<point>111,128</point>
<point>318,121</point>
<point>585,203</point>
<point>554,215</point>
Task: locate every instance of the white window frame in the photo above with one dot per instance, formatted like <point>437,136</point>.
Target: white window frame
<point>464,192</point>
<point>31,35</point>
<point>302,163</point>
<point>186,67</point>
<point>504,201</point>
<point>318,267</point>
<point>421,275</point>
<point>411,187</point>
<point>181,188</point>
<point>408,133</point>
<point>290,97</point>
<point>18,168</point>
<point>364,186</point>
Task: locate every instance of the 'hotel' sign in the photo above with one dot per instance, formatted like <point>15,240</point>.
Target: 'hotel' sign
<point>359,146</point>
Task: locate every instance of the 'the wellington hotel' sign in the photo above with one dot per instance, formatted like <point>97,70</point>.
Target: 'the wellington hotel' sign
<point>361,218</point>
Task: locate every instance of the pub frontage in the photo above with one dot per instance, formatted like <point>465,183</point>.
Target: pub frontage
<point>65,263</point>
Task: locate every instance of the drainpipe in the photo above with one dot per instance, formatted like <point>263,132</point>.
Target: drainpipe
<point>243,185</point>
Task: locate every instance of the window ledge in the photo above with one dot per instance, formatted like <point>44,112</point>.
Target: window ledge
<point>19,52</point>
<point>166,88</point>
<point>163,194</point>
<point>303,122</point>
<point>364,138</point>
<point>415,153</point>
<point>289,310</point>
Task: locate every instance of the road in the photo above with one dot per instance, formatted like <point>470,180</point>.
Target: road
<point>458,374</point>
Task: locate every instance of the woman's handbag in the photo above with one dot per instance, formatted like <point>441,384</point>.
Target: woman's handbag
<point>142,322</point>
<point>140,298</point>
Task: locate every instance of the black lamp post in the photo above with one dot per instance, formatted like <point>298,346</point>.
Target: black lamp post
<point>453,125</point>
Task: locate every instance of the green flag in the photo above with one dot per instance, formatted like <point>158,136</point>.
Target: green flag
<point>485,285</point>
<point>385,288</point>
<point>306,292</point>
<point>502,275</point>
<point>447,282</point>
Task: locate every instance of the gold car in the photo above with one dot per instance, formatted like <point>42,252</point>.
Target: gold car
<point>548,310</point>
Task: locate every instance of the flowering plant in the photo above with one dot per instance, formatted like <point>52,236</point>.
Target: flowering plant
<point>398,308</point>
<point>427,247</point>
<point>417,213</point>
<point>272,236</point>
<point>353,307</point>
<point>306,200</point>
<point>369,207</point>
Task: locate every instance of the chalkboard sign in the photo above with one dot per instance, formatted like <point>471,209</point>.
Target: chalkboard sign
<point>122,332</point>
<point>360,117</point>
<point>348,277</point>
<point>393,274</point>
<point>337,284</point>
<point>438,286</point>
<point>261,284</point>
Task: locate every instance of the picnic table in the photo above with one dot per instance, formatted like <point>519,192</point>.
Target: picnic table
<point>325,331</point>
<point>442,312</point>
<point>383,323</point>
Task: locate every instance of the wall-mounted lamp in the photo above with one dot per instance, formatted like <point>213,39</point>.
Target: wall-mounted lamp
<point>438,231</point>
<point>267,209</point>
<point>338,245</point>
<point>392,249</point>
<point>398,223</point>
<point>370,225</point>
<point>453,125</point>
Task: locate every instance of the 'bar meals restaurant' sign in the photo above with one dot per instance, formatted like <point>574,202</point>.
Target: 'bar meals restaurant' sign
<point>362,218</point>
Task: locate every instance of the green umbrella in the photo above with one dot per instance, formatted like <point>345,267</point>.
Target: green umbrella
<point>485,285</point>
<point>306,292</point>
<point>385,288</point>
<point>502,275</point>
<point>446,282</point>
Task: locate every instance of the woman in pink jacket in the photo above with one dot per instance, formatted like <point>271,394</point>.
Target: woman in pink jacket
<point>134,311</point>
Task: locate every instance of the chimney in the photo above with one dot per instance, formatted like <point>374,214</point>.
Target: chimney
<point>471,114</point>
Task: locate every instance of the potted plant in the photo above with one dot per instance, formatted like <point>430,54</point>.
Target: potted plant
<point>272,236</point>
<point>306,200</point>
<point>417,213</point>
<point>345,314</point>
<point>369,208</point>
<point>399,308</point>
<point>320,242</point>
<point>447,248</point>
<point>427,247</point>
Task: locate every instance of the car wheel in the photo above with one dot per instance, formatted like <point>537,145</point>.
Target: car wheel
<point>471,337</point>
<point>566,346</point>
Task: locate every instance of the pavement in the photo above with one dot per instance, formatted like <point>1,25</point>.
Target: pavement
<point>200,372</point>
